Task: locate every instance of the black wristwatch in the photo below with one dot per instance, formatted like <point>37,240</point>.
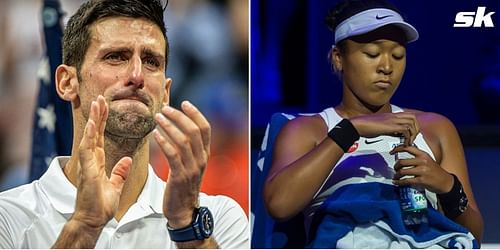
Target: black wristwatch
<point>200,228</point>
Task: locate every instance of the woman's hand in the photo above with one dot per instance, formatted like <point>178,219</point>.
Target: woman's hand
<point>425,171</point>
<point>393,124</point>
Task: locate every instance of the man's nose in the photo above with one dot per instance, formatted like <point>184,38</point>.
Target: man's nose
<point>136,76</point>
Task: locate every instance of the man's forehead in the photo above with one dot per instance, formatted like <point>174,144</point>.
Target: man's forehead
<point>127,30</point>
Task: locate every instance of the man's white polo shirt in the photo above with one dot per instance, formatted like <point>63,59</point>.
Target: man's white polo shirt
<point>33,215</point>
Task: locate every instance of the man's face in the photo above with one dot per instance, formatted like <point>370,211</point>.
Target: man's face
<point>125,62</point>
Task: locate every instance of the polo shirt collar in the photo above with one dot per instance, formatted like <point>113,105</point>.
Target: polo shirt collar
<point>59,190</point>
<point>62,194</point>
<point>152,194</point>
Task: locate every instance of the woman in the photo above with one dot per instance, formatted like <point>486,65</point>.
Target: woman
<point>317,158</point>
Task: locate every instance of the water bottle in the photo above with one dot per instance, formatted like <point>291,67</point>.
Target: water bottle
<point>412,200</point>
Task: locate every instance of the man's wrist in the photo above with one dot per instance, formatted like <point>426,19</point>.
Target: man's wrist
<point>82,227</point>
<point>180,221</point>
<point>206,243</point>
<point>200,227</point>
<point>76,234</point>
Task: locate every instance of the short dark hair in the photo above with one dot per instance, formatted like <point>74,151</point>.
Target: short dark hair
<point>76,38</point>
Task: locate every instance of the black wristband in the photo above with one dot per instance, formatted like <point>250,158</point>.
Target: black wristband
<point>454,202</point>
<point>344,134</point>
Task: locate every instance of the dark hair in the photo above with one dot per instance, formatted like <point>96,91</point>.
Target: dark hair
<point>76,38</point>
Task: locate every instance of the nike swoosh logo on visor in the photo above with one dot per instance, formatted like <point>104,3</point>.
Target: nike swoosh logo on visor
<point>381,17</point>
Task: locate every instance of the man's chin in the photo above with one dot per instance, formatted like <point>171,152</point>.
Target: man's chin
<point>126,135</point>
<point>129,124</point>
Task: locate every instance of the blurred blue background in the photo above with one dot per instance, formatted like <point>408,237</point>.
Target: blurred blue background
<point>451,71</point>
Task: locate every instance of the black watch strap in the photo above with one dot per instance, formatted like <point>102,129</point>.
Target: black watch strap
<point>201,227</point>
<point>182,234</point>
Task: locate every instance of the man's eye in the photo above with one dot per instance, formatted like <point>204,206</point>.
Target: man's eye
<point>152,61</point>
<point>114,57</point>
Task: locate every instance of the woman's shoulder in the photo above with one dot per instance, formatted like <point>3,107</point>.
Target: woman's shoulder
<point>431,120</point>
<point>437,130</point>
<point>306,128</point>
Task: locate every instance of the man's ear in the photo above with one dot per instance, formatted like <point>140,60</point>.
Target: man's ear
<point>67,82</point>
<point>166,97</point>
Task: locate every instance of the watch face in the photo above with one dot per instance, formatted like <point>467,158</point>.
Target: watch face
<point>207,222</point>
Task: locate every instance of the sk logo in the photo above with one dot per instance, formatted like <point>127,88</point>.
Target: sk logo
<point>474,19</point>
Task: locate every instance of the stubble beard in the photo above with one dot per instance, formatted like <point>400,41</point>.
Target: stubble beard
<point>126,132</point>
<point>129,124</point>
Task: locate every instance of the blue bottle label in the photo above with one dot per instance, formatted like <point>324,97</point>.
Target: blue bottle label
<point>412,200</point>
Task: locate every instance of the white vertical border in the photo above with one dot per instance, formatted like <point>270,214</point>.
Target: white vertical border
<point>251,217</point>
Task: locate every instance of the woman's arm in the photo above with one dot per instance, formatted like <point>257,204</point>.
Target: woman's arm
<point>304,156</point>
<point>302,159</point>
<point>453,161</point>
<point>442,137</point>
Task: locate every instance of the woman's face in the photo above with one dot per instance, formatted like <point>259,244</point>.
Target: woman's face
<point>372,66</point>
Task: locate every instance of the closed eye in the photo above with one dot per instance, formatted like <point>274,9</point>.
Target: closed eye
<point>372,55</point>
<point>398,56</point>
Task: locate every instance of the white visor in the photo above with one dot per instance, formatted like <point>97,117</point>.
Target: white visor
<point>370,20</point>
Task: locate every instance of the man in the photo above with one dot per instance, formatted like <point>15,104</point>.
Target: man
<point>105,194</point>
